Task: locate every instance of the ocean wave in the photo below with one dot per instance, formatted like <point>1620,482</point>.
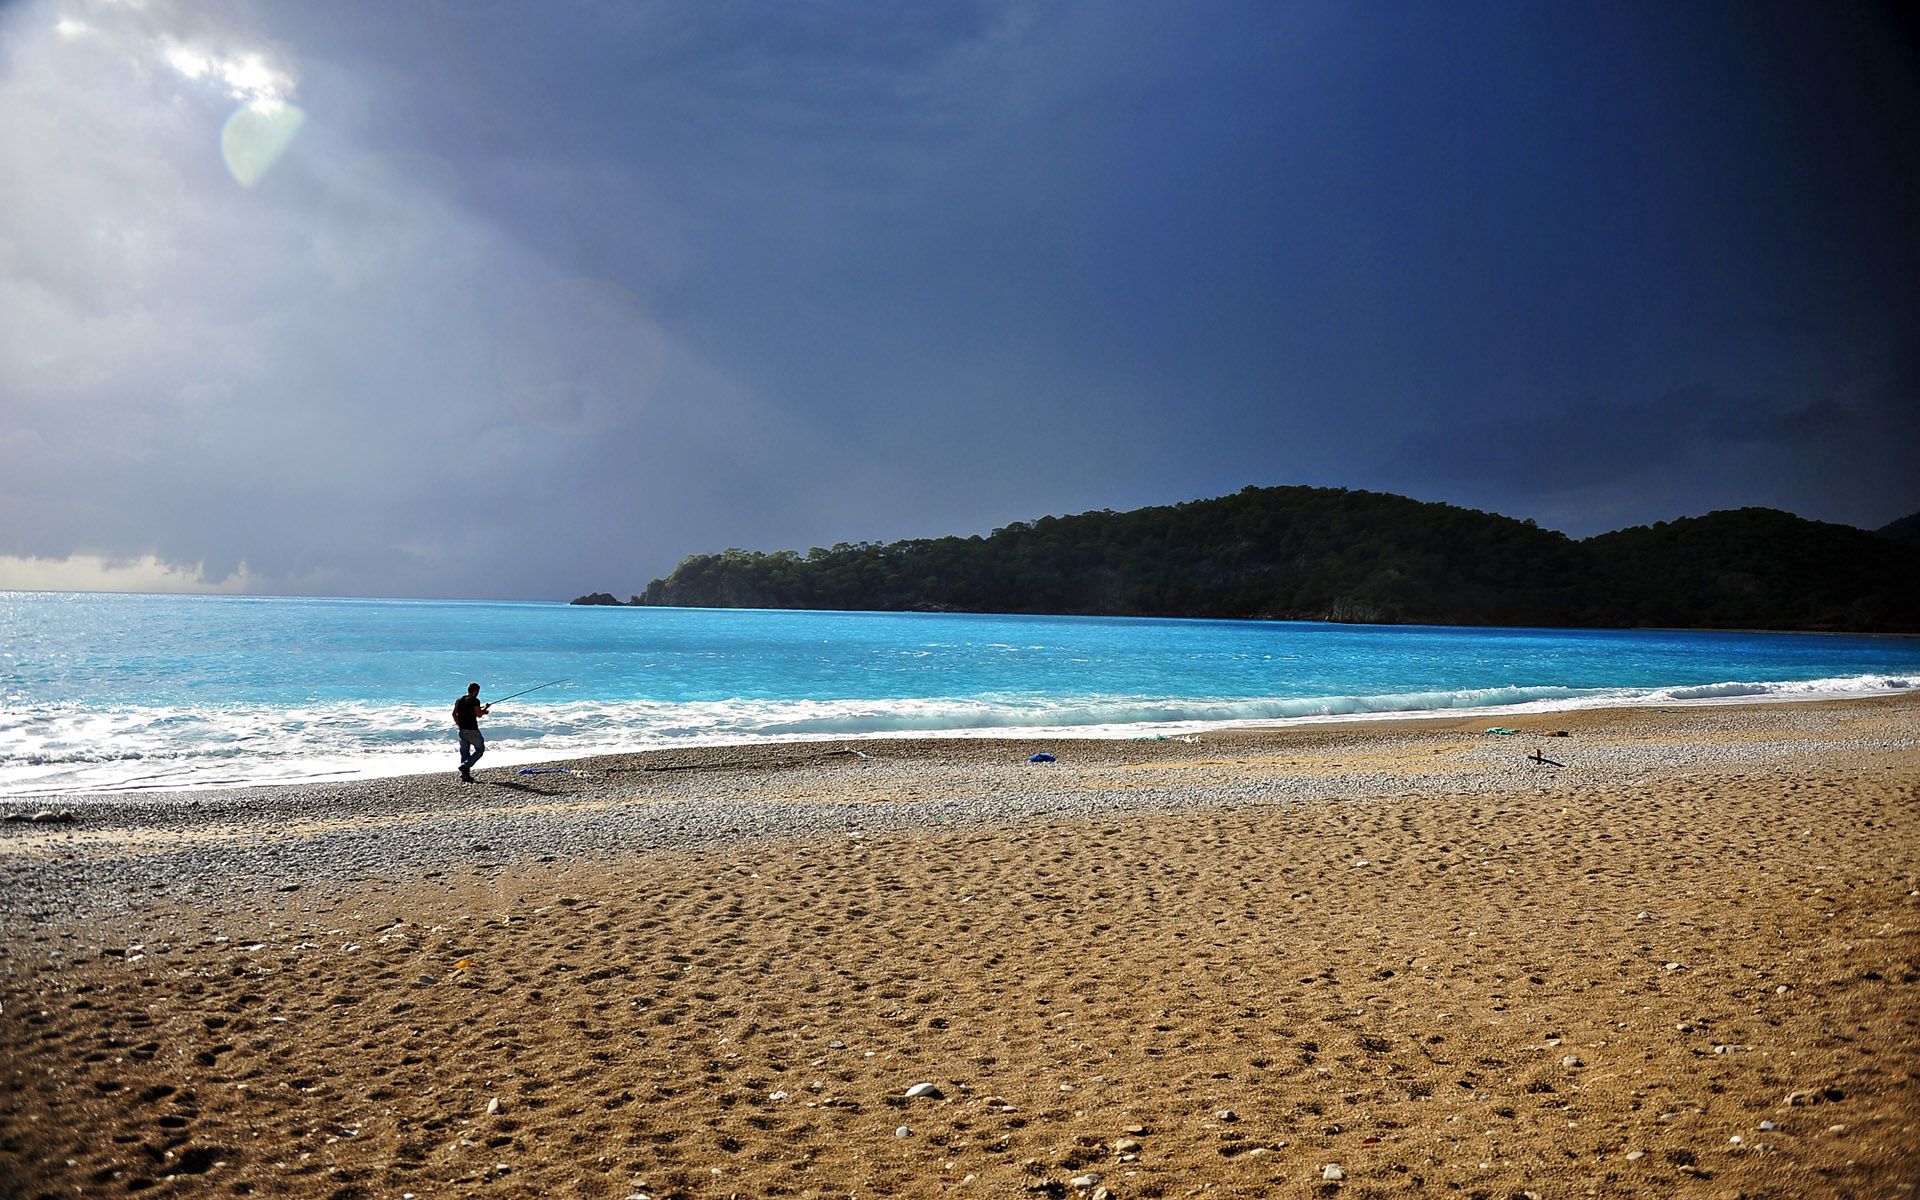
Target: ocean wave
<point>68,748</point>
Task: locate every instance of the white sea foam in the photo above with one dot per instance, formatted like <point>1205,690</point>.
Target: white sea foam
<point>50,749</point>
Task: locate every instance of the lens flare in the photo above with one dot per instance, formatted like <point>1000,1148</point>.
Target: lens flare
<point>255,136</point>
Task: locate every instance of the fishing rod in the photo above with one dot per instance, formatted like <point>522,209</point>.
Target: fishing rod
<point>536,687</point>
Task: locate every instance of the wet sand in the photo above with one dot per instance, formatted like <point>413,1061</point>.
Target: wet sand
<point>1682,957</point>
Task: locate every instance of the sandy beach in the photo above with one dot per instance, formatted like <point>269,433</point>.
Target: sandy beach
<point>1679,956</point>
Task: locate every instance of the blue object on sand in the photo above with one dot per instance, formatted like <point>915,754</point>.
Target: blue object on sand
<point>1041,757</point>
<point>545,771</point>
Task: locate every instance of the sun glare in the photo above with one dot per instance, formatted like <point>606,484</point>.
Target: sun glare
<point>256,134</point>
<point>248,76</point>
<point>193,64</point>
<point>251,78</point>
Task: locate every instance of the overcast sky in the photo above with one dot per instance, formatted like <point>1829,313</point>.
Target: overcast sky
<point>527,300</point>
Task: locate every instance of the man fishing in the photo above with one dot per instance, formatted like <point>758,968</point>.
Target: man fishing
<point>467,711</point>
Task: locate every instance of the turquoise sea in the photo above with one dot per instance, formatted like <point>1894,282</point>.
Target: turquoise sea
<point>131,692</point>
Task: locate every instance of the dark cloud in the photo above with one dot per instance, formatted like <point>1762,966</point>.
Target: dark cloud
<point>1837,457</point>
<point>542,298</point>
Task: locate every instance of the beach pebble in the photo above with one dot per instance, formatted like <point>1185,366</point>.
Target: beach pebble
<point>1768,1127</point>
<point>776,1095</point>
<point>1088,1180</point>
<point>903,1131</point>
<point>1126,1146</point>
<point>924,1089</point>
<point>1672,966</point>
<point>1572,1060</point>
<point>1836,1130</point>
<point>1228,1115</point>
<point>1361,862</point>
<point>1332,1173</point>
<point>1797,1099</point>
<point>1636,1155</point>
<point>493,1106</point>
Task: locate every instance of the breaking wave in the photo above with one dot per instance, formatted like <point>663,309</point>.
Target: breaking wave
<point>46,749</point>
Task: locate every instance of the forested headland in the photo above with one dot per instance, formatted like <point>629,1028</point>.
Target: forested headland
<point>1331,554</point>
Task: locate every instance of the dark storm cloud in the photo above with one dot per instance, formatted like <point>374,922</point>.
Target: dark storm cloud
<point>1830,452</point>
<point>543,297</point>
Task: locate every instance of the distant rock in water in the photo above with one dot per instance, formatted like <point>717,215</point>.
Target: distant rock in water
<point>595,598</point>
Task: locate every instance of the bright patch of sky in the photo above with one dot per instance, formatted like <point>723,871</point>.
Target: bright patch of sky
<point>93,573</point>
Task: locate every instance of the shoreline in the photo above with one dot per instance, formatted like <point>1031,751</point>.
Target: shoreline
<point>1684,961</point>
<point>1139,731</point>
<point>929,743</point>
<point>662,799</point>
